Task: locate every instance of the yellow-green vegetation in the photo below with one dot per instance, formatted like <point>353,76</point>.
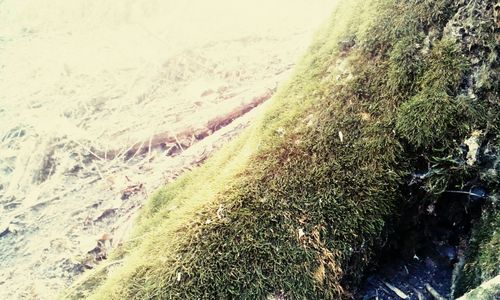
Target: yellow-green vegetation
<point>297,204</point>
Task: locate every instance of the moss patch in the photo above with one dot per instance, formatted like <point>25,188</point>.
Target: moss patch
<point>489,290</point>
<point>430,117</point>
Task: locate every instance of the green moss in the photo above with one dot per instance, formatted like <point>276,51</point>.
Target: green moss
<point>426,119</point>
<point>399,20</point>
<point>297,204</point>
<point>482,261</point>
<point>431,117</point>
<point>405,62</point>
<point>445,67</point>
<point>489,290</point>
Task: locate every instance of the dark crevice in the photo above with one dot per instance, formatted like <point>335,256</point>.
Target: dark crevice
<point>421,254</point>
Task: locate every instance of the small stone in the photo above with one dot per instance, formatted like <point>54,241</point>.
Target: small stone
<point>472,144</point>
<point>5,228</point>
<point>4,231</point>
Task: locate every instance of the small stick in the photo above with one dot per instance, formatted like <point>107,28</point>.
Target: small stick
<point>396,291</point>
<point>99,171</point>
<point>433,292</point>
<point>126,151</point>
<point>464,192</point>
<point>136,152</point>
<point>420,296</point>
<point>86,149</point>
<point>175,136</point>
<point>168,150</point>
<point>149,147</point>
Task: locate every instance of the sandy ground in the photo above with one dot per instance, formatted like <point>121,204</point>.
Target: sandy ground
<point>82,79</point>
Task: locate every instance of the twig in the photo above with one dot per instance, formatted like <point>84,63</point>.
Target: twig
<point>149,146</point>
<point>420,296</point>
<point>126,151</point>
<point>86,149</point>
<point>396,291</point>
<point>99,171</point>
<point>168,150</point>
<point>175,136</point>
<point>433,292</point>
<point>464,192</point>
<point>136,152</point>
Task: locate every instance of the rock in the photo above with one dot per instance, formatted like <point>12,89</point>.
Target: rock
<point>6,227</point>
<point>347,44</point>
<point>4,231</point>
<point>103,246</point>
<point>106,213</point>
<point>473,144</point>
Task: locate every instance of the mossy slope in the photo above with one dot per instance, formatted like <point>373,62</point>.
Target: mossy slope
<point>297,204</point>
